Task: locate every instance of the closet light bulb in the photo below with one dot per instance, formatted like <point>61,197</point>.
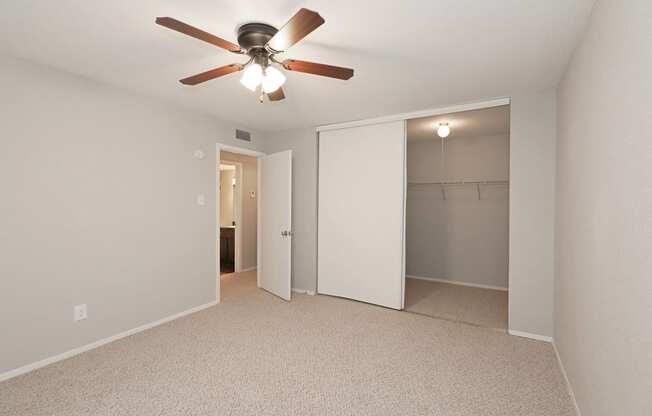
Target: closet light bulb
<point>272,80</point>
<point>443,130</point>
<point>252,76</point>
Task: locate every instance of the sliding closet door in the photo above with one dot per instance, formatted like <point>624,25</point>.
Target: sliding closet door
<point>361,211</point>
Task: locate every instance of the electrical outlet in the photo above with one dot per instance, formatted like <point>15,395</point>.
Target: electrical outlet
<point>79,312</point>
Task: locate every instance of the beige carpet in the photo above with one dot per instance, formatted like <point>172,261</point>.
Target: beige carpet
<point>476,306</point>
<point>255,354</point>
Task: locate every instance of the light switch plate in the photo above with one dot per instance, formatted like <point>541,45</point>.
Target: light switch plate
<point>199,154</point>
<point>201,200</point>
<point>80,312</point>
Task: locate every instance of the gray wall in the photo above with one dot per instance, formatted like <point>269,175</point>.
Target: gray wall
<point>462,238</point>
<point>98,207</point>
<point>249,207</point>
<point>531,212</point>
<point>303,143</point>
<point>603,291</point>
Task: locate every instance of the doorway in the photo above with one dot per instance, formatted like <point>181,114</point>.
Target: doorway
<point>231,224</point>
<point>253,217</point>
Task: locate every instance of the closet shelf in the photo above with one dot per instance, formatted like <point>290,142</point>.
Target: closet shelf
<point>477,184</point>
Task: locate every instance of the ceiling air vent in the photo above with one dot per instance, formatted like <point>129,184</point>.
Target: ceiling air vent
<point>243,135</point>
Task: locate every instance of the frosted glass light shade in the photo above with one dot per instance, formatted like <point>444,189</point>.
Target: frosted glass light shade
<point>443,130</point>
<point>272,80</point>
<point>252,76</point>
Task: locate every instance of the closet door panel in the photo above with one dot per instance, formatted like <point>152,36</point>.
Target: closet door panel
<point>361,213</point>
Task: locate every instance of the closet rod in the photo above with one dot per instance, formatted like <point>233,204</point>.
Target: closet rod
<point>461,183</point>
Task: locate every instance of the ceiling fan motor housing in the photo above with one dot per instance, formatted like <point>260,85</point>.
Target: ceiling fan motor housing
<point>253,37</point>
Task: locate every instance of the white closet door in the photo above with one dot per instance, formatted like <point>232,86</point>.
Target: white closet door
<point>361,213</point>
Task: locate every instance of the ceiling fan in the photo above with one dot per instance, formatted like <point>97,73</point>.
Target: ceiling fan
<point>261,43</point>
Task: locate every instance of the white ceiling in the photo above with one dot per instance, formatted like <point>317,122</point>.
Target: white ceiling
<point>485,122</point>
<point>407,55</point>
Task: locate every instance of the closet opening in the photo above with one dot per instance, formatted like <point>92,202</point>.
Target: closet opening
<point>457,216</point>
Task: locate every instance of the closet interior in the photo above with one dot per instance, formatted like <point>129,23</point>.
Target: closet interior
<point>457,216</point>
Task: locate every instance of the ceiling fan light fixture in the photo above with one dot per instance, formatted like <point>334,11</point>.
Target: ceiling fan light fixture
<point>252,76</point>
<point>443,130</point>
<point>272,80</point>
<point>261,42</point>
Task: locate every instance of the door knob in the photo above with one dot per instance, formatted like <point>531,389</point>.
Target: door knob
<point>286,233</point>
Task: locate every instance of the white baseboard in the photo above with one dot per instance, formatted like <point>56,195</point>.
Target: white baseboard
<point>529,335</point>
<point>76,351</point>
<point>568,384</point>
<point>248,269</point>
<point>457,282</point>
<point>303,291</point>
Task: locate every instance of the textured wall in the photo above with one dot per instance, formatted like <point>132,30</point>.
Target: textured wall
<point>99,207</point>
<point>603,290</point>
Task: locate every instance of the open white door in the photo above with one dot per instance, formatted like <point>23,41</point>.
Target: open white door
<point>361,201</point>
<point>275,223</point>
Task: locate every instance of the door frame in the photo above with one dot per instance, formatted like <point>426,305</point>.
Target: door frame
<point>219,147</point>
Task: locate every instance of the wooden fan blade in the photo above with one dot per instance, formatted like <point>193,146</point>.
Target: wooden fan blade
<point>297,28</point>
<point>277,95</point>
<point>318,69</point>
<point>186,29</point>
<point>213,73</point>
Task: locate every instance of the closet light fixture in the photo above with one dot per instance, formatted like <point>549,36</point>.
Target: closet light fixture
<point>443,130</point>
